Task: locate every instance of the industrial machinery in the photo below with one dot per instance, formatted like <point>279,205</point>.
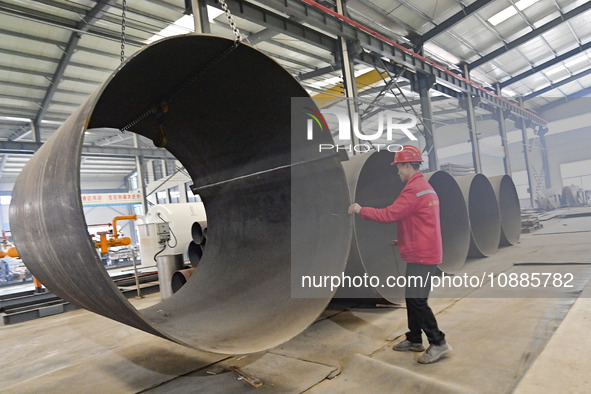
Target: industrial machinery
<point>108,239</point>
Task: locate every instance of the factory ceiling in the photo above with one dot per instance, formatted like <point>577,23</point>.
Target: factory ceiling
<point>55,53</point>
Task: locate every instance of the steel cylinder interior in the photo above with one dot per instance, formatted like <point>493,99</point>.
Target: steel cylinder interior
<point>455,225</point>
<point>509,209</point>
<point>197,233</point>
<point>483,211</point>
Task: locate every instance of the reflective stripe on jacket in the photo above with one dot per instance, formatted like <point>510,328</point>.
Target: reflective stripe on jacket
<point>416,212</point>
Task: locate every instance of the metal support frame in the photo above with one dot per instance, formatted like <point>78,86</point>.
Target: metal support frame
<point>523,126</point>
<point>503,132</point>
<point>472,127</point>
<point>332,23</point>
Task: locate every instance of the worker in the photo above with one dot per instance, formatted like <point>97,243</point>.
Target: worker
<point>416,212</point>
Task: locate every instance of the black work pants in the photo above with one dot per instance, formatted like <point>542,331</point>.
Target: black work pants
<point>420,315</point>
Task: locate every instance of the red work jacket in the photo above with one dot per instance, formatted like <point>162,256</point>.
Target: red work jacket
<point>416,212</point>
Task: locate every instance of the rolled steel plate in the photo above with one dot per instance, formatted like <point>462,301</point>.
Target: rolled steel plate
<point>509,209</point>
<point>272,201</point>
<point>483,211</point>
<point>455,225</point>
<point>373,182</point>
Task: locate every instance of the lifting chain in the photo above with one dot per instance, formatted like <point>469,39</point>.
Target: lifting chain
<point>231,20</point>
<point>123,10</point>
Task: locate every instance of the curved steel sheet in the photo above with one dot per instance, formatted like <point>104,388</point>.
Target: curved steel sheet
<point>483,211</point>
<point>373,182</point>
<point>228,122</point>
<point>509,209</point>
<point>455,225</point>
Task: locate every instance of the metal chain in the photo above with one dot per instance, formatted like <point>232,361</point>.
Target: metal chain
<point>123,9</point>
<point>231,20</point>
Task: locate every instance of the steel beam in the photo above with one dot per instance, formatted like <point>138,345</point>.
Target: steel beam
<point>63,23</point>
<point>503,133</point>
<point>545,65</point>
<point>53,60</point>
<point>92,16</point>
<point>531,35</point>
<point>558,84</point>
<point>318,72</point>
<point>451,21</point>
<point>272,20</point>
<point>46,75</point>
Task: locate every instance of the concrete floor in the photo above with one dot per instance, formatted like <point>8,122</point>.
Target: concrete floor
<point>514,342</point>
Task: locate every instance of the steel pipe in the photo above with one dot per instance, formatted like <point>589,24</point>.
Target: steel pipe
<point>180,278</point>
<point>455,224</point>
<point>483,211</point>
<point>275,205</point>
<point>509,209</point>
<point>195,253</point>
<point>167,266</point>
<point>197,233</point>
<point>373,182</point>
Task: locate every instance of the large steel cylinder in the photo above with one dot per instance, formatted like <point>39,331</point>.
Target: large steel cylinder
<point>275,204</point>
<point>483,211</point>
<point>373,182</point>
<point>509,209</point>
<point>455,225</point>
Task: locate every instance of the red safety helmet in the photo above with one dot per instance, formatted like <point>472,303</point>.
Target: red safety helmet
<point>408,154</point>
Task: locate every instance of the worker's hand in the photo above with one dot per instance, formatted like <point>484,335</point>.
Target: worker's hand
<point>354,208</point>
<point>394,242</point>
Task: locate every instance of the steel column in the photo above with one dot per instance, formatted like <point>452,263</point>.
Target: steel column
<point>472,127</point>
<point>523,126</point>
<point>349,80</point>
<point>503,132</point>
<point>425,82</point>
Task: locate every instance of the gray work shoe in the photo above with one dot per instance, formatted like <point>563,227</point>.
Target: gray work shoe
<point>435,353</point>
<point>408,346</point>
